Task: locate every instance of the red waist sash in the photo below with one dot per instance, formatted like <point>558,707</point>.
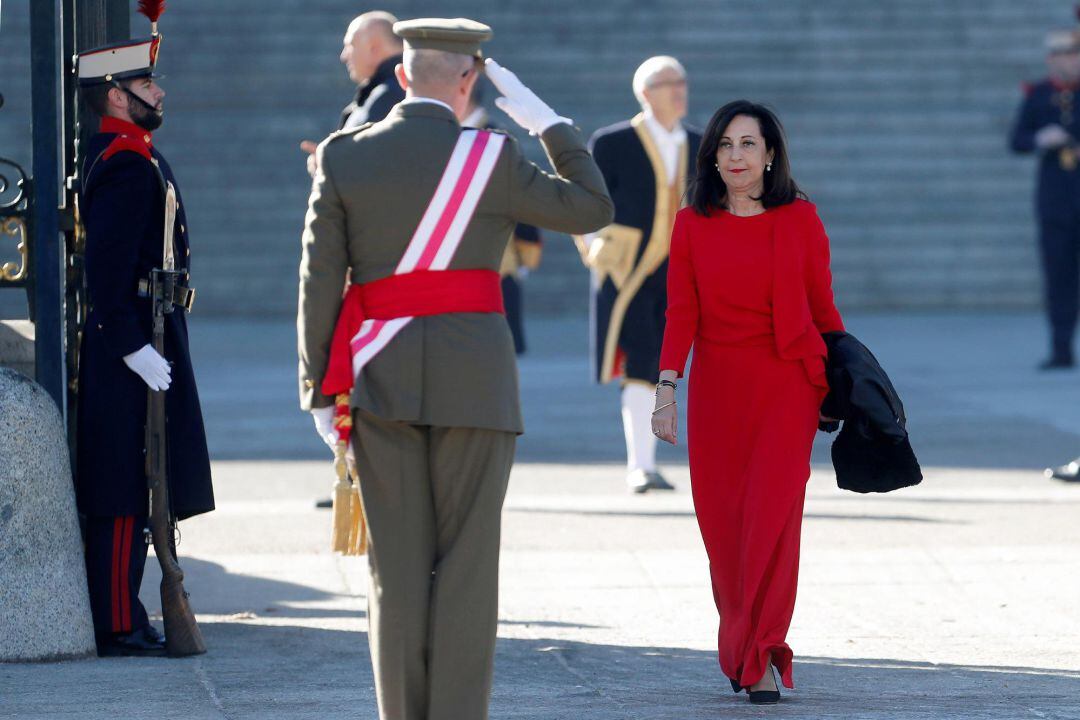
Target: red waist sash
<point>415,294</point>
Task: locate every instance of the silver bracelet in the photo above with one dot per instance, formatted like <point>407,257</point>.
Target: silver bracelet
<point>663,406</point>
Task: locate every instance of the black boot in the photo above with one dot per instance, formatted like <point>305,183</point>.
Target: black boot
<point>144,642</point>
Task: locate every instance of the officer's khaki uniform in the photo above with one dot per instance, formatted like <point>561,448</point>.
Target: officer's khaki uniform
<point>436,412</point>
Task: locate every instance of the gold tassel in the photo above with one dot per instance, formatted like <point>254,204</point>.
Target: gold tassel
<point>358,526</point>
<point>342,513</point>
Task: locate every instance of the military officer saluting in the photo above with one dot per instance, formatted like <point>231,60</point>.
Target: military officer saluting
<point>1049,124</point>
<point>646,163</point>
<point>418,212</point>
<point>123,208</point>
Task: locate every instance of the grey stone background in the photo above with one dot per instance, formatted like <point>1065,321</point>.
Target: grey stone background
<point>897,115</point>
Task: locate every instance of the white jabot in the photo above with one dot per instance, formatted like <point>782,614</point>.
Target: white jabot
<point>669,142</point>
<point>417,100</point>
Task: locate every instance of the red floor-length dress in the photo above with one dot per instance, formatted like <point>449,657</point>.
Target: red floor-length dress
<point>752,296</point>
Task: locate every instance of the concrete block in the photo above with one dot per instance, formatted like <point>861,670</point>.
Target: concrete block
<point>44,605</point>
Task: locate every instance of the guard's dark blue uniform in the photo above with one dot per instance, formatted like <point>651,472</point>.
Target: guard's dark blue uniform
<point>513,300</point>
<point>1057,202</point>
<point>122,205</point>
<point>639,329</point>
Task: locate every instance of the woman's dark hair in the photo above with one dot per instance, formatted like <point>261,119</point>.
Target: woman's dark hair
<point>708,191</point>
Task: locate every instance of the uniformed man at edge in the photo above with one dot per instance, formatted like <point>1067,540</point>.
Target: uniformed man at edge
<point>1048,124</point>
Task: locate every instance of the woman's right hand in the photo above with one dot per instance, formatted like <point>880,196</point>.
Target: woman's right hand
<point>665,420</point>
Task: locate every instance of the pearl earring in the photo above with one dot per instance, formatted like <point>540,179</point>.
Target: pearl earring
<point>717,166</point>
<point>768,167</point>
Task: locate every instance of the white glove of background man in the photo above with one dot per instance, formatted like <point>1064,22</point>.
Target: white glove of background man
<point>324,425</point>
<point>1052,137</point>
<point>519,102</point>
<point>151,367</point>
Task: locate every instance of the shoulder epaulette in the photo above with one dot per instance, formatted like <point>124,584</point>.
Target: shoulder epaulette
<point>347,132</point>
<point>126,142</point>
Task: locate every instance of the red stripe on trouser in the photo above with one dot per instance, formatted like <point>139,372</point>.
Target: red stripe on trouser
<point>125,576</point>
<point>114,585</point>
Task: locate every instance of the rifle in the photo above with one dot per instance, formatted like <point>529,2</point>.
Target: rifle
<point>182,634</point>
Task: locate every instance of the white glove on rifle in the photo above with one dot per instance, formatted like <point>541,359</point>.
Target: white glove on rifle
<point>324,425</point>
<point>519,102</point>
<point>151,367</point>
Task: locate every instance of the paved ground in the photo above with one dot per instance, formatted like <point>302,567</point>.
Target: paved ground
<point>955,599</point>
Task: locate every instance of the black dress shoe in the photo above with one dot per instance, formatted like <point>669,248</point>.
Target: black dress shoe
<point>1069,472</point>
<point>140,643</point>
<point>657,481</point>
<point>324,504</point>
<point>1058,362</point>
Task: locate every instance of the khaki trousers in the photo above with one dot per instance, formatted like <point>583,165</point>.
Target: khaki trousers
<point>433,499</point>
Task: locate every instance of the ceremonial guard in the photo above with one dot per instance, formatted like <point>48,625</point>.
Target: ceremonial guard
<point>123,205</point>
<point>1049,125</point>
<point>370,51</point>
<point>525,248</point>
<point>646,163</point>
<point>416,211</point>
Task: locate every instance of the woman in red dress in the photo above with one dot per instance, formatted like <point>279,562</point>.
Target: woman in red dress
<point>749,288</point>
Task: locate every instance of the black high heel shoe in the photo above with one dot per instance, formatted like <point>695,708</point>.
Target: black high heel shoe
<point>766,697</point>
<point>736,686</point>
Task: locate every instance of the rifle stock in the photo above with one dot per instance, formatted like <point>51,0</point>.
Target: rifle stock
<point>182,634</point>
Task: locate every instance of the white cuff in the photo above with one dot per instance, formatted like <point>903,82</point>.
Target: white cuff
<point>552,122</point>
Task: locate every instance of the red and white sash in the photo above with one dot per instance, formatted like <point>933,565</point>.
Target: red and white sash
<point>439,233</point>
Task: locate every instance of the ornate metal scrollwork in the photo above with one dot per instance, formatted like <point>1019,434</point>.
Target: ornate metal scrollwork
<point>16,272</point>
<point>14,211</point>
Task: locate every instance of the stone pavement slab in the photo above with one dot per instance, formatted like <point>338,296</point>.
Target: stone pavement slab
<point>954,599</point>
<point>951,600</point>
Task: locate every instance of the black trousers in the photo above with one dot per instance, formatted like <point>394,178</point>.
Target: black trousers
<point>115,559</point>
<point>1059,240</point>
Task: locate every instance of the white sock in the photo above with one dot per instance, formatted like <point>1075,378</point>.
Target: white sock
<point>637,406</point>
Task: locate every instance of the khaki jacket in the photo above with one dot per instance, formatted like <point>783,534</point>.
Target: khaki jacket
<point>373,186</point>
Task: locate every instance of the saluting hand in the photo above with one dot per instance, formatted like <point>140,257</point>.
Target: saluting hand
<point>519,102</point>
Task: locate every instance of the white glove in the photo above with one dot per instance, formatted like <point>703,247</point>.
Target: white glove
<point>324,425</point>
<point>519,102</point>
<point>151,367</point>
<point>1052,137</point>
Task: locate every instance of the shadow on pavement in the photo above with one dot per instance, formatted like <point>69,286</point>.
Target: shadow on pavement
<point>257,670</point>
<point>214,590</point>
